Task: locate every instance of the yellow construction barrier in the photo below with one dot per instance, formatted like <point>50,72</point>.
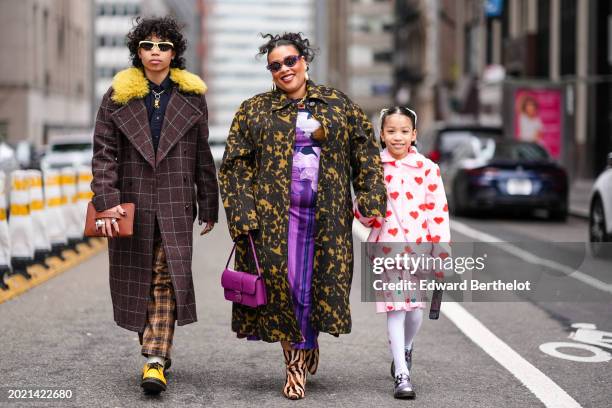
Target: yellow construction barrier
<point>21,228</point>
<point>72,215</point>
<point>56,225</point>
<point>84,193</point>
<point>5,237</point>
<point>42,245</point>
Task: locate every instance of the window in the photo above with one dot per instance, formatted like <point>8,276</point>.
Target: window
<point>3,130</point>
<point>383,56</point>
<point>543,39</point>
<point>568,37</point>
<point>70,147</point>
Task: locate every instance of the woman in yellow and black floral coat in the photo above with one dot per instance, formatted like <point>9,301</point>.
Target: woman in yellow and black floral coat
<point>333,141</point>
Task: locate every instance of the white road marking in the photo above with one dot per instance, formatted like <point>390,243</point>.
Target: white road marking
<point>597,355</point>
<point>529,257</point>
<point>545,389</point>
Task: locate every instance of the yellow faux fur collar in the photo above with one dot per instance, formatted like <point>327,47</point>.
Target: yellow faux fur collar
<point>131,83</point>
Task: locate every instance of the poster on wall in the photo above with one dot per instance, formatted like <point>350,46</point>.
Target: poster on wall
<point>538,118</point>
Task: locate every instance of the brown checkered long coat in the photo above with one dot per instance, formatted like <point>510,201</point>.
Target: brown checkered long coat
<point>167,185</point>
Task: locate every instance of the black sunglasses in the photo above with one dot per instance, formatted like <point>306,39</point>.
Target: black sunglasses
<point>288,61</point>
<point>161,45</point>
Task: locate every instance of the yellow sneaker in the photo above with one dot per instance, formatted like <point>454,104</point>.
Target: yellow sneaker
<point>153,380</point>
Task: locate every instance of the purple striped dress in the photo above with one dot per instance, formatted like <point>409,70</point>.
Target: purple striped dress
<point>302,228</point>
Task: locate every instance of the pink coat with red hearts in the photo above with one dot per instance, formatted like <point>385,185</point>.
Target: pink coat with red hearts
<point>415,191</point>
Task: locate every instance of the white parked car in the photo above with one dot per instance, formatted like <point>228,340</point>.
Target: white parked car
<point>66,151</point>
<point>600,213</point>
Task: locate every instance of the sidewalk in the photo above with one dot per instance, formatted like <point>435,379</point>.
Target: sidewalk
<point>579,196</point>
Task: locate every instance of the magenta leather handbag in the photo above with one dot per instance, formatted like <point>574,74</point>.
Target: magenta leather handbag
<point>243,287</point>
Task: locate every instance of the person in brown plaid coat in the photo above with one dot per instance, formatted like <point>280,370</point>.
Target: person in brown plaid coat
<point>151,148</point>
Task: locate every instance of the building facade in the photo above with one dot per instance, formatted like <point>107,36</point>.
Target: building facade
<point>467,58</point>
<point>231,29</point>
<point>361,57</point>
<point>45,75</point>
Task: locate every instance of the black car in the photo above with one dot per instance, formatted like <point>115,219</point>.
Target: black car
<point>494,174</point>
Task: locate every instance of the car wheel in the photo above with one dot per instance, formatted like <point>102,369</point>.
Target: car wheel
<point>597,228</point>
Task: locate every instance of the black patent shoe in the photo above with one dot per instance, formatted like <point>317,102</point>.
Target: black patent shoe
<point>403,387</point>
<point>408,357</point>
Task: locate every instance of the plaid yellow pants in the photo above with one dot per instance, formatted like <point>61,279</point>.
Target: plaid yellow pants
<point>157,337</point>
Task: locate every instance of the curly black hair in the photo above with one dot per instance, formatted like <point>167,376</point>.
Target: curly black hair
<point>302,44</point>
<point>165,28</point>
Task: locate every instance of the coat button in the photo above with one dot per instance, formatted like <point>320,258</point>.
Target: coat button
<point>311,103</point>
<point>186,206</point>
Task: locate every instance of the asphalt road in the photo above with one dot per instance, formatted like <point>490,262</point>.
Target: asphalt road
<point>61,334</point>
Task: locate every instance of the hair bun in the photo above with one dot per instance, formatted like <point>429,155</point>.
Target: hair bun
<point>298,40</point>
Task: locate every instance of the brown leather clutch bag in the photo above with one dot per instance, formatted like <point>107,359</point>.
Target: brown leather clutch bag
<point>125,222</point>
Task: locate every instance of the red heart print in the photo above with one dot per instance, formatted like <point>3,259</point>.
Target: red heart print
<point>431,206</point>
<point>389,308</point>
<point>428,237</point>
<point>445,209</point>
<point>443,255</point>
<point>405,230</point>
<point>388,214</point>
<point>376,223</point>
<point>414,214</point>
<point>386,250</point>
<point>424,225</point>
<point>394,195</point>
<point>388,178</point>
<point>393,163</point>
<point>432,187</point>
<point>438,172</point>
<point>419,240</point>
<point>423,207</point>
<point>419,180</point>
<point>408,195</point>
<point>427,172</point>
<point>435,239</point>
<point>439,220</point>
<point>419,164</point>
<point>407,249</point>
<point>393,231</point>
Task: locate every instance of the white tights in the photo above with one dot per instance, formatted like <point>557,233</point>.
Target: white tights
<point>401,328</point>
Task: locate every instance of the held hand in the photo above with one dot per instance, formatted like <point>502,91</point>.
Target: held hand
<point>209,226</point>
<point>110,223</point>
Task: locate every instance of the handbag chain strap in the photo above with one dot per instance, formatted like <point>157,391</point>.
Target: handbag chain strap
<point>254,255</point>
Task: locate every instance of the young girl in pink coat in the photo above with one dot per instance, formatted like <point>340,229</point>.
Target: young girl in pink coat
<point>417,214</point>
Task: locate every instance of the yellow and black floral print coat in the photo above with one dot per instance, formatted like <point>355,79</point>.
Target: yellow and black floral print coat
<point>255,179</point>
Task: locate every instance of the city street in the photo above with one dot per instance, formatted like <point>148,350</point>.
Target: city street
<point>61,334</point>
<point>478,106</point>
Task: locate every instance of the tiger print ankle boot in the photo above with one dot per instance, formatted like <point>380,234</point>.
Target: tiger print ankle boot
<point>295,385</point>
<point>312,360</point>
